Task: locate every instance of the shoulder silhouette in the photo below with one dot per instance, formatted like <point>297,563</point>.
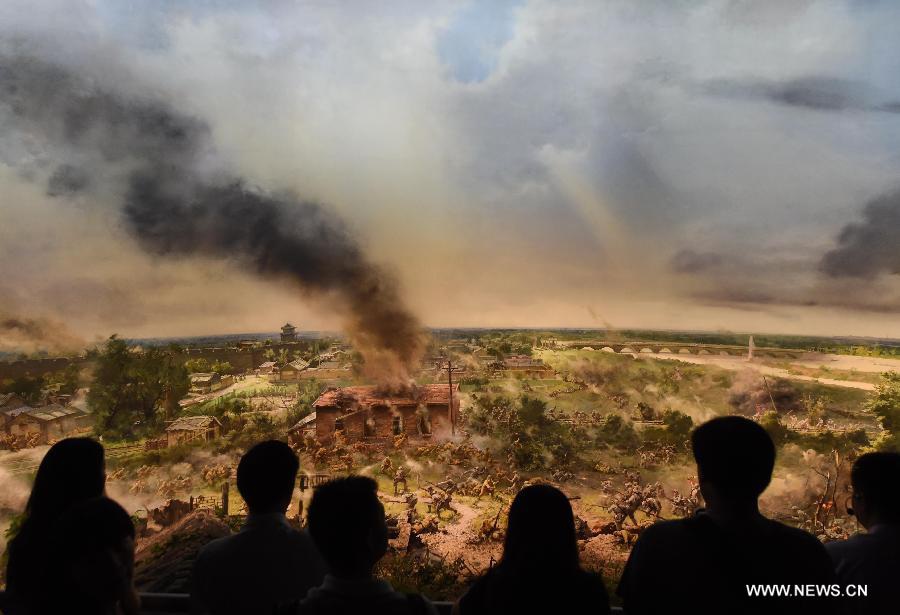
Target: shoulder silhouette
<point>704,564</point>
<point>72,471</point>
<point>872,559</point>
<point>540,569</point>
<point>268,561</point>
<point>90,561</point>
<point>346,521</point>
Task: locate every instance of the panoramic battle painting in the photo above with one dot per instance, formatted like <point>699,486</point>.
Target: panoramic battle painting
<point>461,248</point>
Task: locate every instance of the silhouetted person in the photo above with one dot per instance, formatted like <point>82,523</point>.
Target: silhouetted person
<point>90,562</point>
<point>539,571</point>
<point>873,559</point>
<point>346,521</point>
<point>73,470</point>
<point>704,564</point>
<point>268,561</point>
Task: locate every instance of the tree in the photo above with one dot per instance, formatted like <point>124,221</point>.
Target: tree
<point>130,388</point>
<point>27,387</point>
<point>198,365</point>
<point>678,424</point>
<point>885,404</point>
<point>222,368</point>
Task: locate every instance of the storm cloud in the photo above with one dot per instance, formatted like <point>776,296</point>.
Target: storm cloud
<point>817,93</point>
<point>871,246</point>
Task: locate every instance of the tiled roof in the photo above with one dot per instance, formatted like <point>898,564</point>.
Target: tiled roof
<point>306,420</point>
<point>378,396</point>
<point>204,377</point>
<point>52,412</point>
<point>192,423</point>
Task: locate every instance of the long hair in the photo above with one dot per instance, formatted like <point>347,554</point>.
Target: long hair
<point>73,470</point>
<point>540,534</point>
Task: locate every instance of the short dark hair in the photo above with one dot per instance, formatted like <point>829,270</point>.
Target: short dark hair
<point>734,454</point>
<point>874,477</point>
<point>266,475</point>
<point>342,517</point>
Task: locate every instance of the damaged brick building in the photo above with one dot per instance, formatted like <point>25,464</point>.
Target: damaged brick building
<point>371,413</point>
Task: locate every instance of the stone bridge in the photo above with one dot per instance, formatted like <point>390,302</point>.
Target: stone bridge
<point>681,348</point>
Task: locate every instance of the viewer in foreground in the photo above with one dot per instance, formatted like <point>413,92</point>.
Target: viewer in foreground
<point>72,471</point>
<point>90,562</point>
<point>539,571</point>
<point>346,521</point>
<point>268,561</point>
<point>710,562</point>
<point>873,559</point>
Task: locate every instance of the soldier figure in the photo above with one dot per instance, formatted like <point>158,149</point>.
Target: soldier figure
<point>487,488</point>
<point>400,478</point>
<point>387,466</point>
<point>515,483</point>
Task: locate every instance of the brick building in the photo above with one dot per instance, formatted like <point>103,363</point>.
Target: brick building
<point>373,413</point>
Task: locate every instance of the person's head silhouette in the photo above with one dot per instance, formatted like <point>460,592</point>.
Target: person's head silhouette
<point>266,476</point>
<point>346,521</point>
<point>876,499</point>
<point>73,470</point>
<point>90,559</point>
<point>735,458</point>
<point>540,533</point>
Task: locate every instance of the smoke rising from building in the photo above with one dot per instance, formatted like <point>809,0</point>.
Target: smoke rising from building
<point>178,199</point>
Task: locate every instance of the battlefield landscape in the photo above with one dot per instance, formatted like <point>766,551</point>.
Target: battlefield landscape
<point>459,246</point>
<point>603,415</point>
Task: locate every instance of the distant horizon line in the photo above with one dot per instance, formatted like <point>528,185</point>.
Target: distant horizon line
<point>328,333</point>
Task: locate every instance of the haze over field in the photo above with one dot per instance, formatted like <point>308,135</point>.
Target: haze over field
<point>705,165</point>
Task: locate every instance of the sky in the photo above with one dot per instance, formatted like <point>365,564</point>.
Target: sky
<point>719,165</point>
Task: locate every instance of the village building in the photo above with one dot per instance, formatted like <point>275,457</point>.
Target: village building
<point>266,369</point>
<point>192,429</point>
<point>329,370</point>
<point>305,426</point>
<point>523,362</point>
<point>11,401</point>
<point>48,423</point>
<point>370,413</point>
<point>288,333</point>
<point>208,382</point>
<point>290,372</point>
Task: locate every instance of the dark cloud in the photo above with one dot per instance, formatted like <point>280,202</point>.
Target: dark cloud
<point>870,247</point>
<point>818,93</point>
<point>691,261</point>
<point>67,180</point>
<point>178,201</point>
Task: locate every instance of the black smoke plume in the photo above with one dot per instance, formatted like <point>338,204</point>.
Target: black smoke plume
<point>177,200</point>
<point>871,246</point>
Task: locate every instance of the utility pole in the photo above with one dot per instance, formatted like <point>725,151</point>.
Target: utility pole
<point>450,397</point>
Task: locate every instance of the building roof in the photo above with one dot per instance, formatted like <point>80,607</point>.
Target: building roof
<point>13,400</point>
<point>306,420</point>
<point>13,411</point>
<point>299,365</point>
<point>378,396</point>
<point>204,377</point>
<point>332,365</point>
<point>192,423</point>
<point>52,412</point>
<point>267,365</point>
